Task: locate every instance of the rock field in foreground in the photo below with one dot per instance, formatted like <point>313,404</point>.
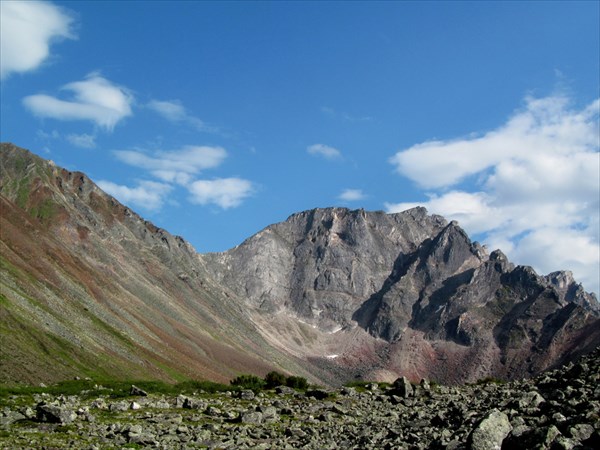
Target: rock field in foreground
<point>558,410</point>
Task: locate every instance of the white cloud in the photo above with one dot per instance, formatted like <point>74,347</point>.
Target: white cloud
<point>170,110</point>
<point>27,28</point>
<point>178,165</point>
<point>544,127</point>
<point>95,99</point>
<point>352,195</point>
<point>224,192</point>
<point>174,111</point>
<point>82,140</point>
<point>148,195</point>
<point>537,195</point>
<point>324,150</point>
<point>47,136</point>
<point>471,210</point>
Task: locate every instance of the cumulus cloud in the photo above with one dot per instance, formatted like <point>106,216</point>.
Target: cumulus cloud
<point>82,140</point>
<point>352,195</point>
<point>174,111</point>
<point>224,192</point>
<point>536,194</point>
<point>148,195</point>
<point>27,28</point>
<point>544,127</point>
<point>178,165</point>
<point>324,150</point>
<point>95,99</point>
<point>180,168</point>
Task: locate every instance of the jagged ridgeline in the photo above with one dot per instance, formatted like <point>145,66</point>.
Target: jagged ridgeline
<point>89,288</point>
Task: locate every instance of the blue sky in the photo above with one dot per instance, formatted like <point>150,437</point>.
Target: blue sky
<point>216,119</point>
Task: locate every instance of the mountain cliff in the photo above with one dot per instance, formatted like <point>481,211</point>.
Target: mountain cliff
<point>90,288</point>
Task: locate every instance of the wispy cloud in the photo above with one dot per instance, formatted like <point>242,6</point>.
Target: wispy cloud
<point>82,140</point>
<point>94,99</point>
<point>324,150</point>
<point>180,168</point>
<point>224,192</point>
<point>537,190</point>
<point>177,165</point>
<point>148,195</point>
<point>333,113</point>
<point>352,195</point>
<point>174,111</point>
<point>27,28</point>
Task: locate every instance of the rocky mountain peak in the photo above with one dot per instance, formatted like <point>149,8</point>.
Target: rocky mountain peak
<point>400,278</point>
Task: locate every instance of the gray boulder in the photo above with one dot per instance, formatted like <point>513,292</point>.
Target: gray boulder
<point>137,391</point>
<point>490,432</point>
<point>403,388</point>
<point>55,414</point>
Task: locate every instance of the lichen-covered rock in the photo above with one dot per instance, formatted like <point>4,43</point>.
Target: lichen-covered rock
<point>254,417</point>
<point>55,413</point>
<point>490,432</point>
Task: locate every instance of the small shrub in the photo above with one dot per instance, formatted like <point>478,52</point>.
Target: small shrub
<point>299,383</point>
<point>248,382</point>
<point>489,380</point>
<point>274,379</point>
<point>206,386</point>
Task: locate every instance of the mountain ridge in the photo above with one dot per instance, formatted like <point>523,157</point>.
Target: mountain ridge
<point>329,293</point>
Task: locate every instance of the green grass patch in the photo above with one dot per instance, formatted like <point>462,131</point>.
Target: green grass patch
<point>22,193</point>
<point>489,380</point>
<point>113,388</point>
<point>45,211</point>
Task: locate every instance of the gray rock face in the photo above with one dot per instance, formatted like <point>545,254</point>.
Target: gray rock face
<point>322,264</point>
<point>409,275</point>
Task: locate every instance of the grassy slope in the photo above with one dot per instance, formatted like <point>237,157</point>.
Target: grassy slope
<point>88,289</point>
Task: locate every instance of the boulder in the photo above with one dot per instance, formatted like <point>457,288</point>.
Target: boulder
<point>254,417</point>
<point>137,391</point>
<point>55,414</point>
<point>490,432</point>
<point>402,388</point>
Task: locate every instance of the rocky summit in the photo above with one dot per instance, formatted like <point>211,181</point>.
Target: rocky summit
<point>374,296</point>
<point>556,410</point>
<point>91,289</point>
